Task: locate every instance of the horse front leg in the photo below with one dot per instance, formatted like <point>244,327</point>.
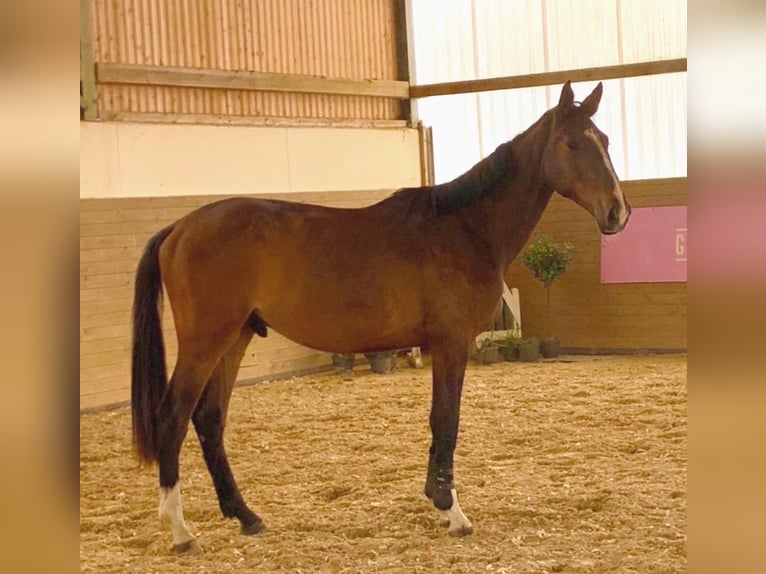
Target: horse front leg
<point>449,362</point>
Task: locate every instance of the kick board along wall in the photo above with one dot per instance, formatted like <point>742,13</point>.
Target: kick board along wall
<point>589,316</point>
<point>137,178</point>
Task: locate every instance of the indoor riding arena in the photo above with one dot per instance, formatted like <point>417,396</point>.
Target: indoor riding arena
<point>571,460</point>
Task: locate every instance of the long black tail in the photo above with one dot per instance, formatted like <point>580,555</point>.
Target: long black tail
<point>149,377</point>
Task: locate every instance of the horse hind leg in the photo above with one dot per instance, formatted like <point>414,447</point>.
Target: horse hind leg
<point>172,420</point>
<point>209,420</point>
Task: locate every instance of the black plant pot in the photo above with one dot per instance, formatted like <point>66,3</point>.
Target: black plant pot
<point>510,354</point>
<point>382,362</point>
<point>489,354</point>
<point>343,363</point>
<point>529,350</point>
<point>550,347</point>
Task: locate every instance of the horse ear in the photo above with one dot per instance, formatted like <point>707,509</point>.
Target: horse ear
<point>567,96</point>
<point>590,104</point>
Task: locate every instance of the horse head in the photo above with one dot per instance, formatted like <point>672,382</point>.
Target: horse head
<point>576,162</point>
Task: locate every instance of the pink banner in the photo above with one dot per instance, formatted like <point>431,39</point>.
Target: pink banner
<point>651,249</point>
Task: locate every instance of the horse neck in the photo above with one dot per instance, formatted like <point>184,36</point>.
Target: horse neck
<point>508,212</point>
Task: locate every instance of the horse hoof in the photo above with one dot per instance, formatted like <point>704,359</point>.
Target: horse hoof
<point>254,527</point>
<point>188,548</point>
<point>463,530</point>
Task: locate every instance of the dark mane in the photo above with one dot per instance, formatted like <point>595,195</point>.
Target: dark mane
<point>451,196</point>
<point>501,164</point>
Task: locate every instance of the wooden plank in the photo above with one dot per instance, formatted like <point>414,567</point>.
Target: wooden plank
<point>96,400</point>
<point>88,93</point>
<point>88,334</point>
<point>122,228</point>
<point>176,76</point>
<point>121,317</point>
<point>118,356</point>
<point>258,121</point>
<point>401,45</point>
<point>104,346</point>
<point>111,371</point>
<point>426,148</point>
<point>149,213</point>
<point>192,201</point>
<point>114,280</point>
<point>550,78</point>
<point>111,254</point>
<point>104,294</point>
<point>106,312</point>
<point>114,241</point>
<point>91,269</point>
<point>111,383</point>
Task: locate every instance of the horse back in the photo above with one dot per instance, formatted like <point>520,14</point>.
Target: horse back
<point>343,280</point>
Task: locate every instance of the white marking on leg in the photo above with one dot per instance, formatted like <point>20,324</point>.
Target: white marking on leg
<point>617,190</point>
<point>172,514</point>
<point>458,523</point>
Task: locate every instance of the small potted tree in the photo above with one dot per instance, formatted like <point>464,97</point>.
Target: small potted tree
<point>547,261</point>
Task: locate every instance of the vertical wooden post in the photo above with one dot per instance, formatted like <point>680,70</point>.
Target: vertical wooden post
<point>402,55</point>
<point>88,95</point>
<point>425,139</point>
<point>426,145</point>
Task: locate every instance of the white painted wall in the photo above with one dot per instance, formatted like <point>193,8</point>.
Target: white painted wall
<point>124,159</point>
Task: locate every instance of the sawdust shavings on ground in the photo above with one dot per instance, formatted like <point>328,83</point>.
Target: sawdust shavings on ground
<point>562,467</point>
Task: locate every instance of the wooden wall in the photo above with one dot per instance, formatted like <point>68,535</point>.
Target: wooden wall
<point>113,233</point>
<point>348,39</point>
<point>587,315</point>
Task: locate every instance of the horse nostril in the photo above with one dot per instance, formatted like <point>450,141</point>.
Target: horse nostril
<point>614,215</point>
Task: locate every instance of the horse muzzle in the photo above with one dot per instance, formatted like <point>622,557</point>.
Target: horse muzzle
<point>615,220</point>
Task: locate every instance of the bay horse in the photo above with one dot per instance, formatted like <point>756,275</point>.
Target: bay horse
<point>423,267</point>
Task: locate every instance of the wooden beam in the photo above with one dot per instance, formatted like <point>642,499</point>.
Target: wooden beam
<point>261,121</point>
<point>402,54</point>
<point>550,78</point>
<point>426,141</point>
<point>88,94</point>
<point>107,73</point>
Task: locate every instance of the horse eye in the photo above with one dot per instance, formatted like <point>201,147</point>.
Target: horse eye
<point>573,145</point>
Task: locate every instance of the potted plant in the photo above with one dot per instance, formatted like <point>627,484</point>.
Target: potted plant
<point>509,347</point>
<point>529,349</point>
<point>547,261</point>
<point>488,352</point>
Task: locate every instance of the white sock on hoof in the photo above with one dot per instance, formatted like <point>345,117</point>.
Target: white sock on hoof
<point>172,514</point>
<point>458,522</point>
